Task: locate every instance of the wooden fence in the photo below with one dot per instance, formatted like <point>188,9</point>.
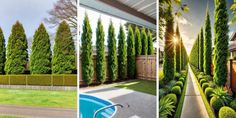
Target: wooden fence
<point>145,68</point>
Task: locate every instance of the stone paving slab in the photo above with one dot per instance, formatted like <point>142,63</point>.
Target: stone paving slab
<point>193,106</point>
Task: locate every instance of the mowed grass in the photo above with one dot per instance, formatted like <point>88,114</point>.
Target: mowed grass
<point>145,86</point>
<point>38,98</point>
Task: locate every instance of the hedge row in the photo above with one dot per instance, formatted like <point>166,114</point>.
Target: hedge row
<point>41,80</point>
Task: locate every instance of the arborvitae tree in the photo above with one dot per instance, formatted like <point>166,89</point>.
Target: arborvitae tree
<point>100,58</point>
<point>207,45</point>
<point>194,54</point>
<point>138,42</point>
<point>63,61</point>
<point>177,50</point>
<point>17,55</point>
<point>122,54</point>
<point>87,52</point>
<point>150,43</point>
<point>2,52</point>
<point>181,54</point>
<point>40,58</point>
<point>130,54</point>
<point>201,50</point>
<point>112,56</point>
<point>169,55</point>
<point>144,42</point>
<point>221,30</point>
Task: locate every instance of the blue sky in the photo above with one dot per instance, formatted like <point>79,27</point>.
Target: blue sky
<point>29,12</point>
<point>191,22</point>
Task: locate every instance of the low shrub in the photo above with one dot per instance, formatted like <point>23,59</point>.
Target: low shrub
<point>200,75</point>
<point>182,79</point>
<point>177,75</point>
<point>170,84</point>
<point>205,85</point>
<point>176,90</point>
<point>162,92</point>
<point>222,94</point>
<point>161,83</point>
<point>233,104</point>
<point>209,91</point>
<point>202,81</point>
<point>207,77</point>
<point>216,103</point>
<point>179,83</point>
<point>173,97</point>
<point>166,107</point>
<point>227,112</point>
<point>212,84</point>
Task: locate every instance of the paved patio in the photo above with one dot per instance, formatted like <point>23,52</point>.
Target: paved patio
<point>193,103</point>
<point>141,105</point>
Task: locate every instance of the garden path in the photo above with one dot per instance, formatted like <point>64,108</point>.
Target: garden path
<point>37,112</point>
<point>193,106</point>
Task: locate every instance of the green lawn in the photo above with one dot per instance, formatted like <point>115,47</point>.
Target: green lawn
<point>39,98</point>
<point>146,86</point>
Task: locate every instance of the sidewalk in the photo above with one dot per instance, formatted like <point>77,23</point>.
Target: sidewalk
<point>193,106</point>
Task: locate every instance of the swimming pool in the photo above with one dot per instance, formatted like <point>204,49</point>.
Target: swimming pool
<point>90,104</point>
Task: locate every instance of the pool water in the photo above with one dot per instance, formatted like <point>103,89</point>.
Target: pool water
<point>90,104</point>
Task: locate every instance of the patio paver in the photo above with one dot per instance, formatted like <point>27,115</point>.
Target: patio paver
<point>141,105</point>
<point>193,106</point>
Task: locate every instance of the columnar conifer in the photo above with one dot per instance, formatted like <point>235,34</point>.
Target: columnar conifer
<point>138,42</point>
<point>100,58</point>
<point>201,50</point>
<point>87,52</point>
<point>40,58</point>
<point>2,52</point>
<point>177,50</point>
<point>150,43</point>
<point>221,30</point>
<point>17,55</point>
<point>122,54</point>
<point>130,54</point>
<point>112,54</point>
<point>144,42</point>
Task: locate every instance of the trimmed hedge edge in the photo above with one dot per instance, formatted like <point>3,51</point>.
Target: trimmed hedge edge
<point>181,100</point>
<point>204,98</point>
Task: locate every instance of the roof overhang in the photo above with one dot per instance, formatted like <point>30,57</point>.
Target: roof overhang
<point>121,9</point>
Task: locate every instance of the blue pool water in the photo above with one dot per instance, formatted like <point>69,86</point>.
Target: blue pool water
<point>89,104</point>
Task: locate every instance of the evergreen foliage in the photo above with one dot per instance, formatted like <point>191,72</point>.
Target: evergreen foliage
<point>2,52</point>
<point>150,43</point>
<point>177,50</point>
<point>130,54</point>
<point>144,42</point>
<point>201,49</point>
<point>194,54</point>
<point>122,54</point>
<point>17,55</point>
<point>40,58</point>
<point>138,42</point>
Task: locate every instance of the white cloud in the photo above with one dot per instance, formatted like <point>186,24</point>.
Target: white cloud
<point>184,21</point>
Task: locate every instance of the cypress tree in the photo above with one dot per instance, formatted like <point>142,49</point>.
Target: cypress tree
<point>194,54</point>
<point>169,55</point>
<point>221,30</point>
<point>177,50</point>
<point>207,45</point>
<point>100,58</point>
<point>201,50</point>
<point>87,52</point>
<point>150,44</point>
<point>40,58</point>
<point>130,54</point>
<point>181,55</point>
<point>138,42</point>
<point>144,42</point>
<point>17,55</point>
<point>63,61</point>
<point>112,56</point>
<point>2,52</point>
<point>122,54</point>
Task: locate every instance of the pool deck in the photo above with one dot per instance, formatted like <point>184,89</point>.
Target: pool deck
<point>136,104</point>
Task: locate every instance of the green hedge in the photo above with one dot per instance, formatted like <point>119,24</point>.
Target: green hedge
<point>41,80</point>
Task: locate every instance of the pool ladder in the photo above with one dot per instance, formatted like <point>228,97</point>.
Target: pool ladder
<point>106,107</point>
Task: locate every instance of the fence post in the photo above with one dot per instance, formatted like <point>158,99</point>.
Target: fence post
<point>231,74</point>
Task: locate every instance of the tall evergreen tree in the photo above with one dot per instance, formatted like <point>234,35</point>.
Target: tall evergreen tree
<point>207,45</point>
<point>40,58</point>
<point>87,52</point>
<point>181,54</point>
<point>131,54</point>
<point>112,56</point>
<point>122,54</point>
<point>201,50</point>
<point>177,50</point>
<point>221,30</point>
<point>144,42</point>
<point>100,58</point>
<point>150,43</point>
<point>169,55</point>
<point>2,52</point>
<point>63,61</point>
<point>138,42</point>
<point>17,55</point>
